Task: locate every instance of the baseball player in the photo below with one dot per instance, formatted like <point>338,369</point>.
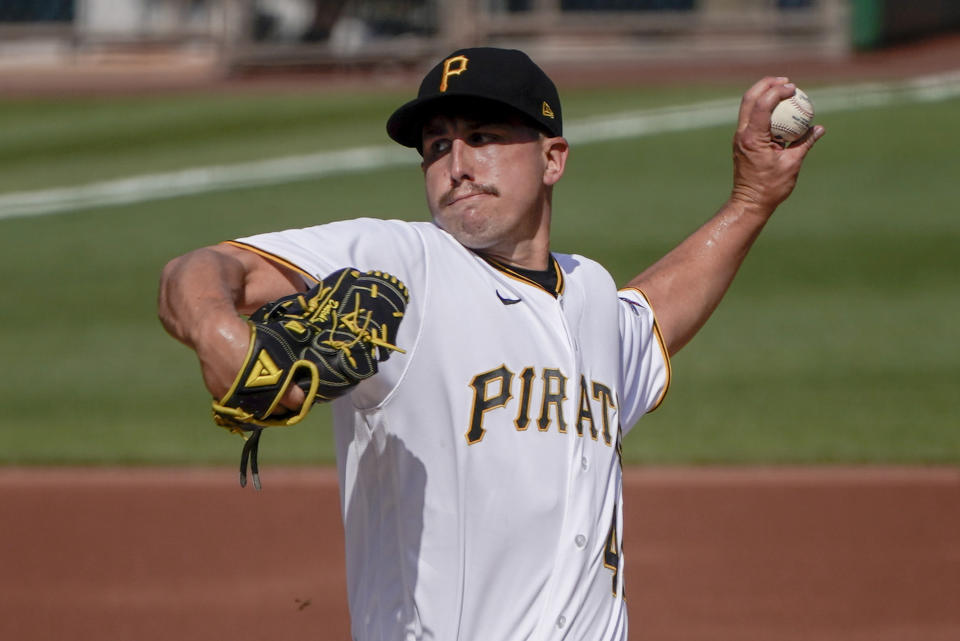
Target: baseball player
<point>479,468</point>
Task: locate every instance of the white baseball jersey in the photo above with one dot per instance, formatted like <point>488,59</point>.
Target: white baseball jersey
<point>480,471</point>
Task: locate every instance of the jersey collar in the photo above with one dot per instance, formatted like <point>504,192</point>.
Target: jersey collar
<point>549,280</point>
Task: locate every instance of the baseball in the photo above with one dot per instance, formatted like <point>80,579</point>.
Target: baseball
<point>791,118</point>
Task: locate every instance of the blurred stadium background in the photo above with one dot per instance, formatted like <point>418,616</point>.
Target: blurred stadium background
<point>254,34</point>
<point>134,130</point>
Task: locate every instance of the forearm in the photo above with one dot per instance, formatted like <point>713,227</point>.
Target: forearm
<point>202,297</point>
<point>686,285</point>
<point>197,290</point>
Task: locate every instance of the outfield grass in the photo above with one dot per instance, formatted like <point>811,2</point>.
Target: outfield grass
<point>837,343</point>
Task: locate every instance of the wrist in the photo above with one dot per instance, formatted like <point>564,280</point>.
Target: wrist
<point>748,202</point>
<point>221,346</point>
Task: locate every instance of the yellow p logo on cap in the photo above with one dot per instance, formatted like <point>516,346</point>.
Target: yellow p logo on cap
<point>450,70</point>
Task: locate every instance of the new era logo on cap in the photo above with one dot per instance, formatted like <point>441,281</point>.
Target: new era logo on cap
<point>507,77</point>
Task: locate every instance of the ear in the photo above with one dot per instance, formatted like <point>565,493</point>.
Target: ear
<point>555,151</point>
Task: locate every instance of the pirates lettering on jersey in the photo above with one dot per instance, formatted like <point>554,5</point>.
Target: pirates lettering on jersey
<point>554,393</point>
<point>493,391</point>
<point>526,382</point>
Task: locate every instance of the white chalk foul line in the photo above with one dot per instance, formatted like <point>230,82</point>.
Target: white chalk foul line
<point>648,122</point>
<point>198,180</point>
<point>632,124</point>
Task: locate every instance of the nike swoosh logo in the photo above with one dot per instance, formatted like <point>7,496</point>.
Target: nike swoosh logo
<point>507,301</point>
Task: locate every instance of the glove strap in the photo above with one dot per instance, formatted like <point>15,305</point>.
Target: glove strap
<point>250,450</point>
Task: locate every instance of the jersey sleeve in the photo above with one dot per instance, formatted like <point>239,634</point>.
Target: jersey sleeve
<point>364,243</point>
<point>646,362</point>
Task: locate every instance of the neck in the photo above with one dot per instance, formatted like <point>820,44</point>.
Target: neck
<point>538,261</point>
<point>533,250</point>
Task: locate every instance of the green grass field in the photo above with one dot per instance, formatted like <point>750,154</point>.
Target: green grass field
<point>838,343</point>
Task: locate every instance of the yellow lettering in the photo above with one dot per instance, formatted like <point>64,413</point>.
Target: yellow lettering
<point>324,312</point>
<point>450,70</point>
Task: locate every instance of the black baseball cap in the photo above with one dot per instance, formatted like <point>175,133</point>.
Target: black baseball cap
<point>477,75</point>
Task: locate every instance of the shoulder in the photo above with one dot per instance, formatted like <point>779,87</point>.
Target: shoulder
<point>363,235</point>
<point>395,246</point>
<point>385,231</point>
<point>367,228</point>
<point>580,269</point>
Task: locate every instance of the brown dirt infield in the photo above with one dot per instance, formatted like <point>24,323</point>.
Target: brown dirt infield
<point>722,554</point>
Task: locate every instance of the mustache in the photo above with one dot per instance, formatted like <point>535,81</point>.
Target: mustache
<point>471,189</point>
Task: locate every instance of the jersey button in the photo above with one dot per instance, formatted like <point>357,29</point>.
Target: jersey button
<point>584,464</point>
<point>581,540</point>
<point>561,621</point>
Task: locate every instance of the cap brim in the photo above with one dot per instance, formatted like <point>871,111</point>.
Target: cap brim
<point>405,126</point>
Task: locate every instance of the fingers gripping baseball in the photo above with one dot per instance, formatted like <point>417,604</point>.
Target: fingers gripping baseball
<point>765,172</point>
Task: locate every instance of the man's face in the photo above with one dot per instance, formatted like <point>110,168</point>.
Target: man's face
<point>486,180</point>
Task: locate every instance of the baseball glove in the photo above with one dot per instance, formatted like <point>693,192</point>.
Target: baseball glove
<point>325,341</point>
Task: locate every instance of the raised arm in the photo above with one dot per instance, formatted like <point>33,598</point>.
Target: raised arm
<point>686,285</point>
<point>202,295</point>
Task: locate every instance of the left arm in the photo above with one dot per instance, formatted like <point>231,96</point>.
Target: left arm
<point>686,285</point>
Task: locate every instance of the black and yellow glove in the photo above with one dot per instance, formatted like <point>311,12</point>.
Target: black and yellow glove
<point>325,341</point>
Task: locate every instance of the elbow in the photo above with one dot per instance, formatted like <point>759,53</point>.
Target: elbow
<point>167,274</point>
<point>194,286</point>
<point>166,294</point>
